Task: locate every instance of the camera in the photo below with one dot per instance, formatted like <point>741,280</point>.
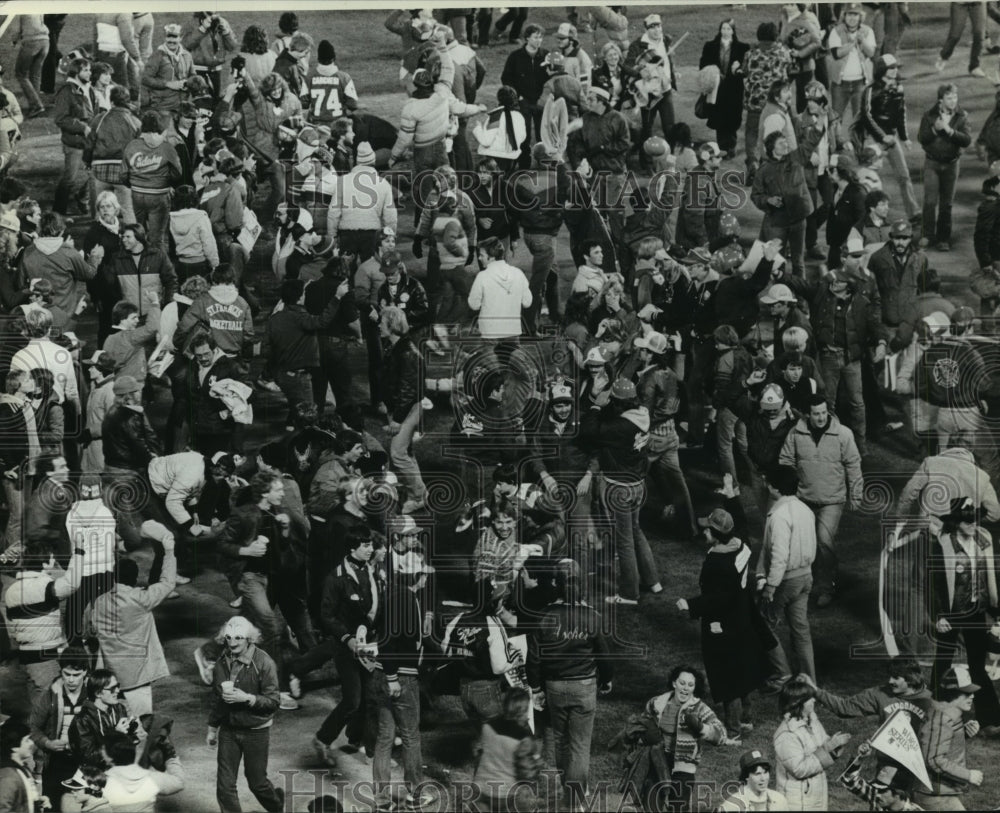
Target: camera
<point>237,64</point>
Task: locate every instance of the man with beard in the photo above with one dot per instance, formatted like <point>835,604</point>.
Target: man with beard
<point>244,699</point>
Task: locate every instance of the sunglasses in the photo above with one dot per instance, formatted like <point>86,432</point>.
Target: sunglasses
<point>236,638</point>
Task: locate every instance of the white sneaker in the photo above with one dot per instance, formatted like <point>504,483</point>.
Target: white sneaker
<point>286,702</point>
<point>294,687</point>
<point>978,72</point>
<point>205,668</point>
<point>236,603</point>
<point>182,580</point>
<point>656,588</point>
<point>174,594</point>
<point>939,64</point>
<point>616,599</point>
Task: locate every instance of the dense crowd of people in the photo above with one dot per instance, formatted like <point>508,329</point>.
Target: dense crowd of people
<point>227,233</point>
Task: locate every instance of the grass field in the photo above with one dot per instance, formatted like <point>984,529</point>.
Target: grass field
<point>370,54</point>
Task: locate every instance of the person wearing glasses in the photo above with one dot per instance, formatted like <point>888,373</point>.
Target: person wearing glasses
<point>103,712</point>
<point>244,700</point>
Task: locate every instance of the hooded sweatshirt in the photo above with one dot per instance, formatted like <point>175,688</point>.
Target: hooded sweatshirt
<point>51,259</point>
<point>132,789</point>
<point>193,238</point>
<point>223,312</point>
<point>499,292</point>
<point>150,164</point>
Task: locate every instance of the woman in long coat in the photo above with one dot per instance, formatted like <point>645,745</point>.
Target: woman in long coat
<point>734,640</point>
<point>728,54</point>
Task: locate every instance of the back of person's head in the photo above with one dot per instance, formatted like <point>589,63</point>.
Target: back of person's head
<point>784,480</point>
<point>794,696</point>
<point>795,338</point>
<point>395,320</point>
<point>254,40</point>
<point>10,190</point>
<point>185,197</point>
<point>291,291</point>
<point>493,247</point>
<point>51,224</point>
<point>151,122</point>
<point>767,32</point>
<point>223,275</point>
<point>325,804</point>
<point>507,97</point>
<point>120,748</point>
<point>288,22</point>
<point>120,96</point>
<point>515,706</point>
<point>127,572</point>
<point>38,323</point>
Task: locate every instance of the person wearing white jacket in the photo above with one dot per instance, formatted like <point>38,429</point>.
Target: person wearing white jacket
<point>499,293</point>
<point>362,207</point>
<point>803,750</point>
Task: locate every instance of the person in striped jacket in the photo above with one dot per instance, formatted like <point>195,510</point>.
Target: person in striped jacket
<point>33,601</point>
<point>423,126</point>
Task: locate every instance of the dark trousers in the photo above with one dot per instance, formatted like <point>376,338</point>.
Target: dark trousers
<point>352,695</point>
<point>359,242</point>
<point>484,20</point>
<point>940,180</point>
<point>822,198</point>
<point>373,342</point>
<point>974,629</point>
<point>296,386</point>
<point>976,12</point>
<point>515,18</point>
<point>55,27</point>
<point>664,108</point>
<point>251,747</point>
<point>334,369</point>
<point>699,370</point>
<point>532,112</point>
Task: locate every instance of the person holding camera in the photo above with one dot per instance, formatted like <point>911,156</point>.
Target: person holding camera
<point>164,74</point>
<point>210,40</point>
<point>129,785</point>
<point>104,712</point>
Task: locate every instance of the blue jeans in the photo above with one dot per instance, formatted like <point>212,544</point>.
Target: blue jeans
<point>976,12</point>
<point>665,470</point>
<point>28,69</point>
<point>250,746</point>
<point>74,177</point>
<point>543,263</point>
<point>835,368</point>
<point>401,455</point>
<point>258,610</point>
<point>847,93</point>
<point>825,565</point>
<point>636,565</point>
<point>481,699</point>
<point>572,707</point>
<point>791,602</point>
<point>940,180</point>
<point>152,212</point>
<point>397,715</point>
<point>729,427</point>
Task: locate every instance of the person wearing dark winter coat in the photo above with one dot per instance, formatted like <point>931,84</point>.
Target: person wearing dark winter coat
<point>988,140</point>
<point>986,237</point>
<point>728,54</point>
<point>734,639</point>
<point>781,193</point>
<point>619,434</point>
<point>569,659</point>
<point>883,119</point>
<point>944,133</point>
<point>72,112</point>
<point>525,71</point>
<point>701,200</point>
<point>129,440</point>
<point>848,206</point>
<point>103,712</point>
<point>897,268</point>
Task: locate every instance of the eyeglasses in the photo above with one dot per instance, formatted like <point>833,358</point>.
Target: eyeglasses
<point>236,638</point>
<point>113,689</point>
